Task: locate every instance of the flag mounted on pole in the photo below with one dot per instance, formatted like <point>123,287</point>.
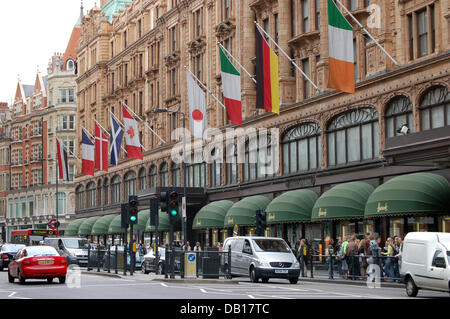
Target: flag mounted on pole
<point>115,140</point>
<point>101,150</point>
<point>340,38</point>
<point>87,155</point>
<point>197,107</point>
<point>63,167</point>
<point>131,135</point>
<point>267,87</point>
<point>231,83</point>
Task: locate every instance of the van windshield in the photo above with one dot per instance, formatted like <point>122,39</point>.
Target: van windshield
<point>448,257</point>
<point>76,243</point>
<point>270,245</point>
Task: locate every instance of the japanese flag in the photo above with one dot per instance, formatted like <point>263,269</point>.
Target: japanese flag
<point>197,107</point>
<point>131,135</point>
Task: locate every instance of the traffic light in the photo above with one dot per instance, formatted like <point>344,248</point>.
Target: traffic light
<point>132,209</point>
<point>174,201</point>
<point>154,216</point>
<point>261,224</point>
<point>164,201</point>
<point>124,215</point>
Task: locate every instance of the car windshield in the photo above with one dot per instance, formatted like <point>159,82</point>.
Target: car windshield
<point>41,251</point>
<point>12,248</point>
<point>448,257</point>
<point>76,243</point>
<point>270,245</point>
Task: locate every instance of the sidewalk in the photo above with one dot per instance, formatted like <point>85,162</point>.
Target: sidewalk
<point>320,276</point>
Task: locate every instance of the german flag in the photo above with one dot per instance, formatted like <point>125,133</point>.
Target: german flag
<point>267,88</point>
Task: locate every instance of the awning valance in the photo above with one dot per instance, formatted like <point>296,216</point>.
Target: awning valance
<point>293,206</point>
<point>212,215</point>
<point>243,212</point>
<point>86,227</point>
<point>115,227</point>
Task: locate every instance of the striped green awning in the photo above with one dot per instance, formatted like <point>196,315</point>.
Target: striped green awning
<point>243,212</point>
<point>86,227</point>
<point>344,201</point>
<point>72,228</point>
<point>212,215</point>
<point>115,227</point>
<point>143,217</point>
<point>293,206</point>
<point>418,193</point>
<point>102,224</point>
<point>164,223</point>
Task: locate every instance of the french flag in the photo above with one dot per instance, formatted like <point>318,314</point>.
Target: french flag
<point>131,135</point>
<point>87,155</point>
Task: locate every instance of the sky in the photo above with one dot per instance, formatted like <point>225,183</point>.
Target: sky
<point>31,31</point>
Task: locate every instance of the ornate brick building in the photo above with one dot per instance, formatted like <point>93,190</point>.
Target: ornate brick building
<point>133,52</point>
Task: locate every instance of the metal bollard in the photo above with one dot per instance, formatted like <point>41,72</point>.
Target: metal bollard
<point>183,257</point>
<point>124,260</point>
<point>166,261</point>
<point>109,259</point>
<point>98,259</point>
<point>229,262</point>
<point>89,258</point>
<point>115,262</point>
<point>312,266</point>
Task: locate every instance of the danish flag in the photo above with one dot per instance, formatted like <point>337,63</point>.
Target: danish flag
<point>131,137</point>
<point>101,150</point>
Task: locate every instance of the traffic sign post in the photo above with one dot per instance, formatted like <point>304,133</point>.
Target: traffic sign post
<point>190,265</point>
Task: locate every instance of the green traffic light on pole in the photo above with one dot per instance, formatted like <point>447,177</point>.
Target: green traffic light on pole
<point>174,212</point>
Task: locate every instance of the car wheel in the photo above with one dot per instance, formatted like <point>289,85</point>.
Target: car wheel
<point>253,277</point>
<point>144,268</point>
<point>293,280</point>
<point>411,288</point>
<point>10,278</point>
<point>265,280</point>
<point>62,279</point>
<point>50,280</point>
<point>21,279</point>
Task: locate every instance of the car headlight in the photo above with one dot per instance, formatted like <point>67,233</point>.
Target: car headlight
<point>296,264</point>
<point>263,263</point>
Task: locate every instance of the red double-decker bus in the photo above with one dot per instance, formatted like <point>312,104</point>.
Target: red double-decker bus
<point>31,237</point>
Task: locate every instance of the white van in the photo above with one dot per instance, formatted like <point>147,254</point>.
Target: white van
<point>261,257</point>
<point>425,262</point>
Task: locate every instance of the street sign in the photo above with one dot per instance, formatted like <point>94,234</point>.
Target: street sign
<point>190,265</point>
<point>183,207</point>
<point>51,224</point>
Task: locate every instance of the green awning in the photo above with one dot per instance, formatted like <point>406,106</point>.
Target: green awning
<point>72,228</point>
<point>418,193</point>
<point>86,227</point>
<point>243,212</point>
<point>344,201</point>
<point>143,217</point>
<point>164,223</point>
<point>293,206</point>
<point>102,224</point>
<point>115,227</point>
<point>212,215</point>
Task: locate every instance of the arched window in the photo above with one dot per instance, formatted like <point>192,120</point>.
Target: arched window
<point>353,136</point>
<point>196,175</point>
<point>232,164</point>
<point>164,173</point>
<point>90,193</point>
<point>62,203</point>
<point>106,192</point>
<point>153,176</point>
<point>176,176</point>
<point>99,193</point>
<point>435,108</point>
<point>258,158</point>
<point>130,184</point>
<point>79,194</point>
<point>398,113</point>
<point>115,189</point>
<point>142,178</point>
<point>216,168</point>
<point>302,149</point>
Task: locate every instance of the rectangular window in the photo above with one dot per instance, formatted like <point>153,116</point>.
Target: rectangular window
<point>305,16</point>
<point>227,9</point>
<point>198,22</point>
<point>63,98</point>
<point>30,206</point>
<point>355,59</point>
<point>125,39</point>
<point>411,36</point>
<point>422,30</point>
<point>199,67</point>
<point>173,32</point>
<point>353,5</point>
<point>139,28</point>
<point>433,29</point>
<point>317,15</point>
<point>276,26</point>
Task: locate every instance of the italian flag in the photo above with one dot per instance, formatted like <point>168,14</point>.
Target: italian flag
<point>340,38</point>
<point>231,83</point>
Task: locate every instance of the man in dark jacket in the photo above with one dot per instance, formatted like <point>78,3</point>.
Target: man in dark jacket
<point>352,257</point>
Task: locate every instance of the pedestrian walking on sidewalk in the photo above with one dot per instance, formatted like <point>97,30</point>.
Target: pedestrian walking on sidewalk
<point>363,251</point>
<point>388,261</point>
<point>303,257</point>
<point>337,250</point>
<point>330,253</point>
<point>352,257</point>
<point>197,247</point>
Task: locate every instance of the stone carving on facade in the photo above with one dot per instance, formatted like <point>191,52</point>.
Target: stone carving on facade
<point>225,29</point>
<point>197,46</point>
<point>172,59</point>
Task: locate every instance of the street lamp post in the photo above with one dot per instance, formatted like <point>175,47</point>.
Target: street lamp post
<point>183,218</point>
<point>56,175</point>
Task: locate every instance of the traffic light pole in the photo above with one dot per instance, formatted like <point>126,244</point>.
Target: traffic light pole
<point>132,254</point>
<point>172,252</point>
<point>125,252</point>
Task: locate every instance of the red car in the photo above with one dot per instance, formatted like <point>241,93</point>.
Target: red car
<point>41,262</point>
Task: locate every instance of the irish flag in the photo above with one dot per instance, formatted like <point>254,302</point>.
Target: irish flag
<point>340,38</point>
<point>231,83</point>
<point>267,88</point>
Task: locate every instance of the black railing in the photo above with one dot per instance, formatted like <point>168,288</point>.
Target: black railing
<point>110,259</point>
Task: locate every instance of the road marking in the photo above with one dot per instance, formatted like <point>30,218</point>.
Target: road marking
<point>163,284</point>
<point>12,294</point>
<point>252,297</point>
<point>204,291</point>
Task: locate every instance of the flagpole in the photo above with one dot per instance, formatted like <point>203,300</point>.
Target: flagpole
<point>287,56</point>
<point>368,33</point>
<point>200,82</point>
<point>92,136</point>
<point>109,134</point>
<point>236,60</point>
<point>145,123</point>
<point>68,151</point>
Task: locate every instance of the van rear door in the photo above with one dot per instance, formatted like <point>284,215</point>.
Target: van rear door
<point>437,274</point>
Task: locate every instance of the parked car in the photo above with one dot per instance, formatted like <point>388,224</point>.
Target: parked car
<point>74,249</point>
<point>149,264</point>
<point>43,262</point>
<point>425,262</point>
<point>261,257</point>
<point>7,252</point>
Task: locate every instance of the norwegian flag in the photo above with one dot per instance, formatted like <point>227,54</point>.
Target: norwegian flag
<point>101,150</point>
<point>62,161</point>
<point>131,135</point>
